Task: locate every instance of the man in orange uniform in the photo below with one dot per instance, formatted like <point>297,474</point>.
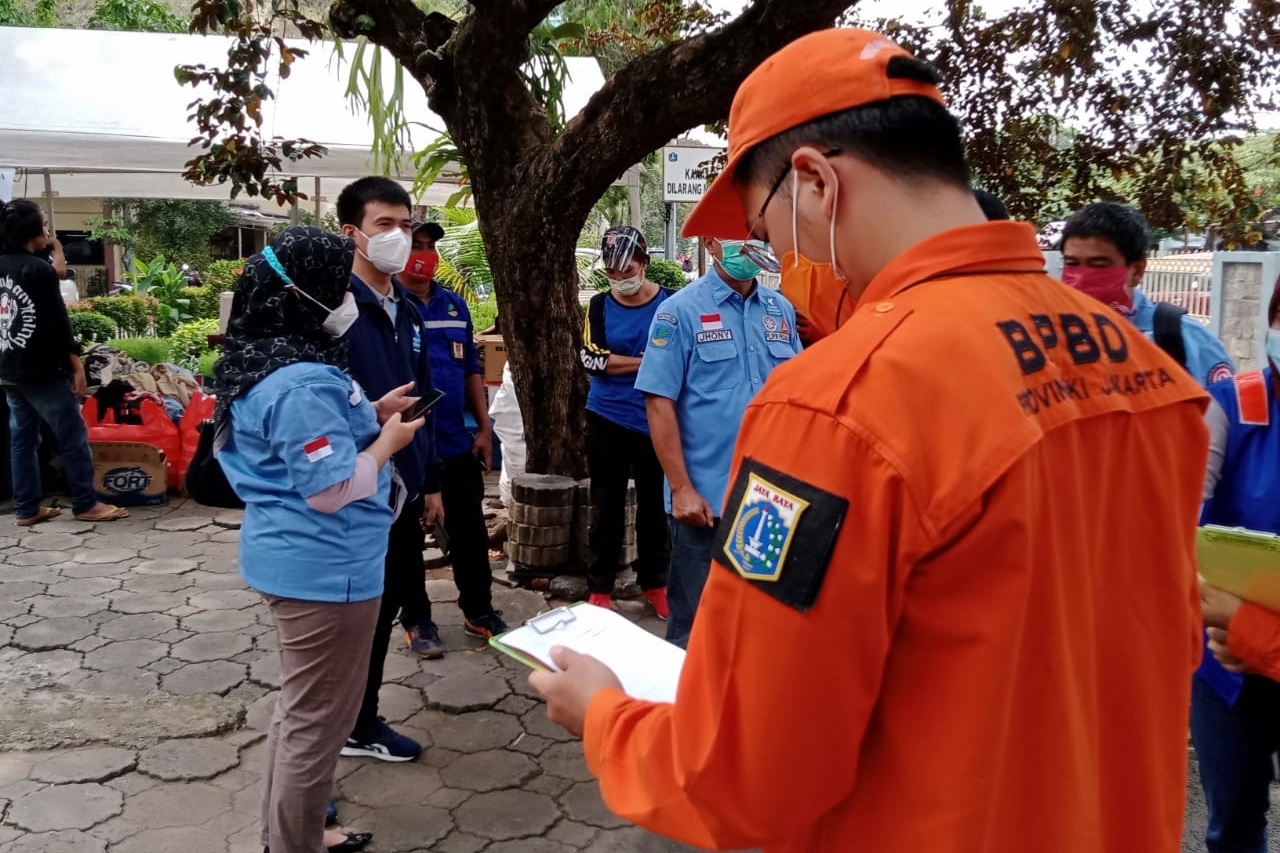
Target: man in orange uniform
<point>954,607</point>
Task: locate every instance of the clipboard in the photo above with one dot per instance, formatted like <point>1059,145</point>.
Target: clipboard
<point>1245,563</point>
<point>648,666</point>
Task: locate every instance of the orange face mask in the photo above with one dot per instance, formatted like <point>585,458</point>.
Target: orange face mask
<point>815,290</point>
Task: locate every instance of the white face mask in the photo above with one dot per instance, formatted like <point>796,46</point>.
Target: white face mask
<point>389,250</point>
<point>340,320</point>
<point>627,286</point>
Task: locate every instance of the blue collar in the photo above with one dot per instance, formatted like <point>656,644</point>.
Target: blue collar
<point>365,292</point>
<point>721,290</point>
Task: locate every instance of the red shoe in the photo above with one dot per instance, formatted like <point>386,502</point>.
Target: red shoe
<point>600,599</point>
<point>657,598</point>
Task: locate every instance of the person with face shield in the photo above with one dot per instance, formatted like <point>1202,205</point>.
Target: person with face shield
<point>1235,697</point>
<point>308,453</point>
<point>619,448</point>
<point>908,640</point>
<point>1104,254</point>
<point>710,350</point>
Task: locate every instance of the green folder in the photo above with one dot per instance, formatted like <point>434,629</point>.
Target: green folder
<point>550,619</point>
<point>1242,562</point>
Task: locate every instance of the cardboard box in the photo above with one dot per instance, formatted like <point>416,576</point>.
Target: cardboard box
<point>128,473</point>
<point>493,355</point>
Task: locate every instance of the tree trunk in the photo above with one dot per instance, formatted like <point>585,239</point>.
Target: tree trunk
<point>536,285</point>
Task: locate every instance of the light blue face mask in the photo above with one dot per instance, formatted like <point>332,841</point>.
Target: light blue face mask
<point>1273,347</point>
<point>735,263</point>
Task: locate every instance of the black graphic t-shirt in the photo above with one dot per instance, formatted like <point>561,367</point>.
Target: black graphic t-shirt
<point>35,335</point>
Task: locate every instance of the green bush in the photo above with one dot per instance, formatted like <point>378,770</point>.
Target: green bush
<point>131,313</point>
<point>598,280</point>
<point>222,275</point>
<point>192,338</point>
<point>151,350</point>
<point>206,363</point>
<point>202,302</point>
<point>91,328</point>
<point>667,273</point>
<point>483,314</point>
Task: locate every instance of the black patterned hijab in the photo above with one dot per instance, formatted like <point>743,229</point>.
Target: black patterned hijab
<point>271,326</point>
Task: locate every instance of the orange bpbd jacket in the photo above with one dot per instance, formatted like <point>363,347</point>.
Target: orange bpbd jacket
<point>954,607</point>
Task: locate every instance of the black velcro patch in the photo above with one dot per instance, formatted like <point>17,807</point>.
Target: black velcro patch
<point>778,533</point>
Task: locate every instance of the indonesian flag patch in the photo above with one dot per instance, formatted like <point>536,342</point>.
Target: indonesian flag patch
<point>711,322</point>
<point>317,449</point>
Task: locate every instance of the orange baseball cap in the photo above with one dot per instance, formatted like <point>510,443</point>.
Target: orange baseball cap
<point>816,75</point>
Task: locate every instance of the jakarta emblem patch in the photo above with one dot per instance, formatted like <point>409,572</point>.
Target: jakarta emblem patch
<point>762,529</point>
<point>779,533</point>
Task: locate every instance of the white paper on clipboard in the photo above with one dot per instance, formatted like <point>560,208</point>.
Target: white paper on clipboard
<point>648,666</point>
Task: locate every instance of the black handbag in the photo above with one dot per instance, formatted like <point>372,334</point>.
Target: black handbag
<point>205,482</point>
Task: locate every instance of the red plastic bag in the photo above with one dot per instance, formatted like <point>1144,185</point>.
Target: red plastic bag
<point>199,410</point>
<point>156,430</point>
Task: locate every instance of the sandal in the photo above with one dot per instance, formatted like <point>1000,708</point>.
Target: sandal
<point>107,513</point>
<point>46,513</point>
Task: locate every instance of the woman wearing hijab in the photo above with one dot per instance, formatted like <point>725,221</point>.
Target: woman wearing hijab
<point>307,452</point>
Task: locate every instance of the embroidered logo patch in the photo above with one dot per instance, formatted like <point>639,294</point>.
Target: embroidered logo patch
<point>668,318</point>
<point>711,322</point>
<point>714,335</point>
<point>458,352</point>
<point>317,449</point>
<point>771,323</point>
<point>761,532</point>
<point>662,335</point>
<point>779,533</point>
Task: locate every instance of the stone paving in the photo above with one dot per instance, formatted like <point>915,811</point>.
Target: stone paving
<point>138,675</point>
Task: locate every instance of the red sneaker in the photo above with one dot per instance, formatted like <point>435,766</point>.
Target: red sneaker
<point>600,599</point>
<point>657,598</point>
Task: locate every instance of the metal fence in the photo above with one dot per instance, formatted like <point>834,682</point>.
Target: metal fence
<point>1184,279</point>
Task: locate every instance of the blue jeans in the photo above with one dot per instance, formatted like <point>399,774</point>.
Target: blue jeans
<point>1236,747</point>
<point>55,404</point>
<point>690,565</point>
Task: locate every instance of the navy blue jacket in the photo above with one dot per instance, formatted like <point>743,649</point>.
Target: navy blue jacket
<point>383,358</point>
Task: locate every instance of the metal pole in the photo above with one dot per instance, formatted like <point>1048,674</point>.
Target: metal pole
<point>671,231</point>
<point>317,200</point>
<point>633,184</point>
<point>295,212</point>
<point>48,200</point>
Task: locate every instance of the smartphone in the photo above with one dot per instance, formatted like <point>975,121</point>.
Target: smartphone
<point>423,406</point>
<point>442,537</point>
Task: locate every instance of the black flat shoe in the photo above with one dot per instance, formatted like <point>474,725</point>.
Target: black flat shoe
<point>355,841</point>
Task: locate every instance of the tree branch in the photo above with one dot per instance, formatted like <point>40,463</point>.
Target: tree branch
<point>414,38</point>
<point>661,94</point>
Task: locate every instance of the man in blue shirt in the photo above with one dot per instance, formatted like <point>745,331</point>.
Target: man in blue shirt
<point>1104,254</point>
<point>455,369</point>
<point>388,350</point>
<point>711,347</point>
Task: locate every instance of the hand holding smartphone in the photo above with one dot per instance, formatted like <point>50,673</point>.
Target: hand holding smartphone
<point>423,406</point>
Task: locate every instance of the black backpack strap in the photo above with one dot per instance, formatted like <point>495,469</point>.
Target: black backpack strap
<point>1168,331</point>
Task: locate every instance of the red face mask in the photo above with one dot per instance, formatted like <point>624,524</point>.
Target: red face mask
<point>1105,284</point>
<point>423,264</point>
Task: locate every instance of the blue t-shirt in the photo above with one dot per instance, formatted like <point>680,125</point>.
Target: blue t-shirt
<point>451,346</point>
<point>616,329</point>
<point>293,435</point>
<point>710,350</point>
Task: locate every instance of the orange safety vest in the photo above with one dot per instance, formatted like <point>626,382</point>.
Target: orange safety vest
<point>954,605</point>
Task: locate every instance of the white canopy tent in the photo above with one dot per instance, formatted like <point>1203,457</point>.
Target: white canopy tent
<point>95,114</point>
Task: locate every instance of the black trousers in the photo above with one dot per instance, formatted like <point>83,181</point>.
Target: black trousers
<point>615,455</point>
<point>404,594</point>
<point>462,485</point>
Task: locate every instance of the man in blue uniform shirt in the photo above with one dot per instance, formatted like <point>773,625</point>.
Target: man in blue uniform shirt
<point>388,350</point>
<point>455,369</point>
<point>711,347</point>
<point>1104,254</point>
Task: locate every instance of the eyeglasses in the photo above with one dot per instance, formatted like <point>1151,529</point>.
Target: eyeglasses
<point>757,251</point>
<point>773,190</point>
